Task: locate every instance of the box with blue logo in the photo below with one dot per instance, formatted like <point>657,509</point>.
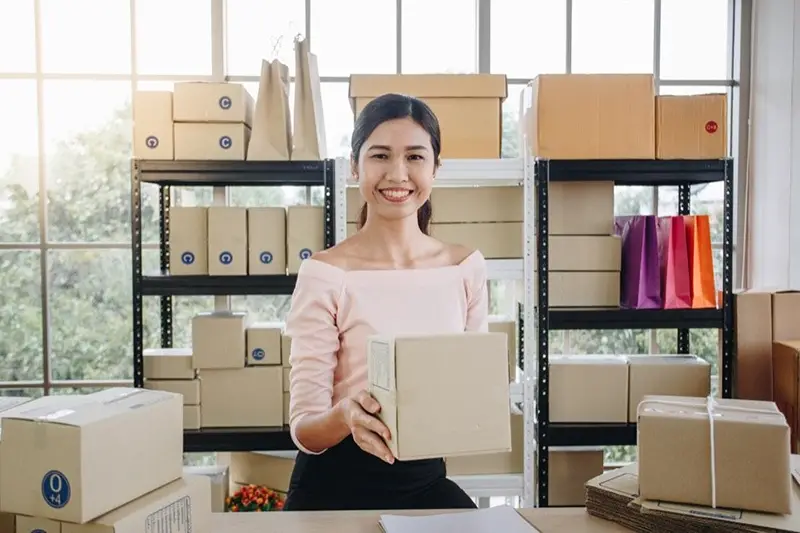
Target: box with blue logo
<point>264,344</point>
<point>305,234</point>
<point>76,458</point>
<point>188,241</point>
<point>211,141</point>
<point>152,125</point>
<point>216,102</point>
<point>266,240</point>
<point>227,241</point>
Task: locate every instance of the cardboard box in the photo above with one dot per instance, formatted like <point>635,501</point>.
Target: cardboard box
<point>76,463</point>
<point>191,417</point>
<point>585,253</point>
<point>188,241</point>
<point>286,349</point>
<point>675,447</point>
<point>267,469</point>
<point>786,383</point>
<point>477,204</point>
<point>588,388</point>
<point>286,408</point>
<point>168,363</point>
<point>753,330</point>
<point>219,476</point>
<point>264,344</point>
<point>152,125</point>
<point>594,200</point>
<point>493,463</point>
<point>286,378</point>
<point>509,329</point>
<point>666,375</point>
<point>221,396</point>
<point>469,106</point>
<point>198,101</point>
<point>211,142</point>
<point>189,389</point>
<point>32,524</point>
<point>266,240</point>
<point>584,289</point>
<point>305,234</point>
<point>183,505</point>
<point>569,470</point>
<point>692,126</point>
<point>432,411</point>
<point>227,241</point>
<point>591,116</point>
<point>218,339</point>
<point>495,240</point>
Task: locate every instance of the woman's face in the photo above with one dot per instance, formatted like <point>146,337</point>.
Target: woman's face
<point>395,169</point>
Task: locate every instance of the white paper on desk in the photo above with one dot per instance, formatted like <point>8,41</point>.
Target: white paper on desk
<point>492,520</point>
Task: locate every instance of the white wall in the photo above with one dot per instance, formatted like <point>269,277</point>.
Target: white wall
<point>772,243</point>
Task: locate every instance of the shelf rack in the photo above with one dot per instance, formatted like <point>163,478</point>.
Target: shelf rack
<point>168,174</point>
<point>537,319</point>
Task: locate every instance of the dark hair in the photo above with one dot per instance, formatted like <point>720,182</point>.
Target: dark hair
<point>391,107</point>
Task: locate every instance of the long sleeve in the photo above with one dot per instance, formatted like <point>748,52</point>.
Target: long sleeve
<point>477,293</point>
<point>311,324</point>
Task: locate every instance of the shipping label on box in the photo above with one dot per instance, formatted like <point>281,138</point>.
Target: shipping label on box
<point>264,344</point>
<point>666,375</point>
<point>168,363</point>
<point>305,234</point>
<point>227,241</point>
<point>211,142</point>
<point>221,402</point>
<point>588,388</point>
<point>197,101</point>
<point>266,240</point>
<point>219,339</point>
<point>57,459</point>
<point>678,436</point>
<point>188,241</point>
<point>431,411</point>
<point>152,125</point>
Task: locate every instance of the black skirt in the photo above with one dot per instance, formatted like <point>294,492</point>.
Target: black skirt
<point>345,477</point>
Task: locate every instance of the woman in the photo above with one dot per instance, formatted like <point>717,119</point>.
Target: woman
<point>390,277</point>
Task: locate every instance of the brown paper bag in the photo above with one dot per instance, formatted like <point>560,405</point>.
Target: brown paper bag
<point>309,126</point>
<point>271,135</point>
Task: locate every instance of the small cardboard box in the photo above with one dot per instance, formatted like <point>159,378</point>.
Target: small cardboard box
<point>666,375</point>
<point>181,506</point>
<point>221,396</point>
<point>188,241</point>
<point>495,240</point>
<point>189,389</point>
<point>585,253</point>
<point>227,241</point>
<point>199,101</point>
<point>33,524</point>
<point>588,388</point>
<point>211,142</point>
<point>80,460</point>
<point>218,339</point>
<point>305,234</point>
<point>692,126</point>
<point>584,289</point>
<point>168,363</point>
<point>266,240</point>
<point>152,125</point>
<point>594,200</point>
<point>749,443</point>
<point>475,204</point>
<point>432,411</point>
<point>263,344</point>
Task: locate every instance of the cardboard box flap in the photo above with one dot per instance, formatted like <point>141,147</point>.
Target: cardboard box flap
<point>588,360</point>
<point>677,359</point>
<point>167,352</point>
<point>9,402</point>
<point>765,413</point>
<point>93,408</point>
<point>429,85</point>
<point>794,345</point>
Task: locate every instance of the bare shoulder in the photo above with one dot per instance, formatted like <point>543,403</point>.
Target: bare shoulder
<point>340,255</point>
<point>457,253</point>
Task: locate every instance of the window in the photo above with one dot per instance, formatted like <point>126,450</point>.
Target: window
<point>20,316</point>
<point>17,33</point>
<point>338,118</point>
<point>694,39</point>
<point>427,49</point>
<point>161,49</point>
<point>511,122</point>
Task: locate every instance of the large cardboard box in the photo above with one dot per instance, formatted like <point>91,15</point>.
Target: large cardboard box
<point>749,444</point>
<point>188,241</point>
<point>509,329</point>
<point>211,142</point>
<point>569,469</point>
<point>588,388</point>
<point>591,116</point>
<point>189,389</point>
<point>495,240</point>
<point>584,289</point>
<point>221,396</point>
<point>35,524</point>
<point>432,411</point>
<point>197,101</point>
<point>666,375</point>
<point>7,405</point>
<point>305,234</point>
<point>227,241</point>
<point>264,344</point>
<point>218,339</point>
<point>266,240</point>
<point>181,506</point>
<point>584,253</point>
<point>493,463</point>
<point>477,204</point>
<point>469,106</point>
<point>152,125</point>
<point>786,383</point>
<point>77,461</point>
<point>168,363</point>
<point>692,126</point>
<point>594,200</point>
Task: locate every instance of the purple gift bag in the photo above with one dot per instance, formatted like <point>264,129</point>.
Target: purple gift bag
<point>640,283</point>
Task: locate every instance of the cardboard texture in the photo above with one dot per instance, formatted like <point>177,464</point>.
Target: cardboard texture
<point>594,200</point>
<point>222,392</point>
<point>168,363</point>
<point>714,452</point>
<point>266,240</point>
<point>218,339</point>
<point>189,389</point>
<point>569,470</point>
<point>267,469</point>
<point>227,241</point>
<point>786,383</point>
<point>584,289</point>
<point>188,241</point>
<point>692,126</point>
<point>271,135</point>
<point>263,344</point>
<point>477,204</point>
<point>191,417</point>
<point>152,125</point>
<point>588,388</point>
<point>211,141</point>
<point>509,328</point>
<point>308,138</point>
<point>305,234</point>
<point>495,240</point>
<point>214,102</point>
<point>666,375</point>
<point>432,412</point>
<point>493,463</point>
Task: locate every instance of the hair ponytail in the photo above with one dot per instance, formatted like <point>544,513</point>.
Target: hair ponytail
<point>424,216</point>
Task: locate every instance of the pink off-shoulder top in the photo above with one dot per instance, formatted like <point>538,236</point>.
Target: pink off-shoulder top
<point>334,311</point>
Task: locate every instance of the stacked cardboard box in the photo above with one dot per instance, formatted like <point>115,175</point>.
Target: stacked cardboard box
<point>78,463</point>
<point>172,370</point>
<point>219,476</point>
<point>237,241</point>
<point>286,350</point>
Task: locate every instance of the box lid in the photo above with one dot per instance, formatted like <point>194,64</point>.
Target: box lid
<point>724,409</point>
<point>429,85</point>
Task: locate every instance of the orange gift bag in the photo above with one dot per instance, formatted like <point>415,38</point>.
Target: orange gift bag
<point>701,261</point>
<point>676,280</point>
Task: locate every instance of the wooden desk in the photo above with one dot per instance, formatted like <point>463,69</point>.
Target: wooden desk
<point>546,520</point>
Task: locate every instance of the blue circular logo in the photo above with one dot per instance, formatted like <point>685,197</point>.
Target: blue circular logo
<point>265,258</point>
<point>187,258</point>
<point>55,489</point>
<point>225,142</point>
<point>258,354</point>
<point>225,102</point>
<point>151,142</point>
<point>226,258</point>
<point>38,531</point>
<point>305,253</point>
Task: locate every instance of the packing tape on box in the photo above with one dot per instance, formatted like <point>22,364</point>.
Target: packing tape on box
<point>710,411</point>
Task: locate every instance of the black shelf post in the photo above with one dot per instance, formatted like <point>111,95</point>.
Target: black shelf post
<point>169,174</point>
<point>680,173</point>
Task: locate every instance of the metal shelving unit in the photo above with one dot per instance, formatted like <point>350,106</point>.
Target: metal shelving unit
<point>537,319</point>
<point>168,174</point>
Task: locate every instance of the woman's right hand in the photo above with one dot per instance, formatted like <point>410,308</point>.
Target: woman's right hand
<point>369,433</point>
